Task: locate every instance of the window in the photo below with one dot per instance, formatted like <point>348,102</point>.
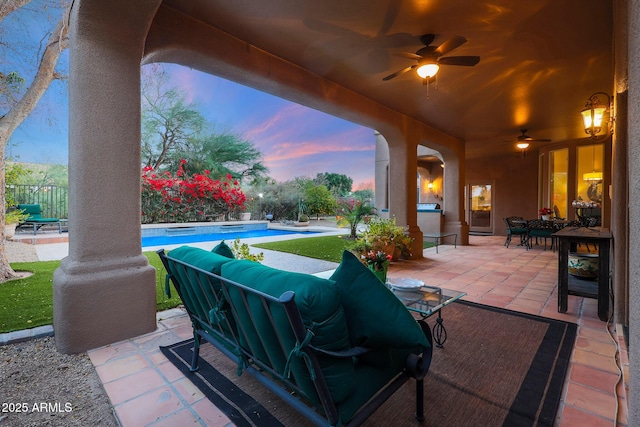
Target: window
<point>589,173</point>
<point>558,169</point>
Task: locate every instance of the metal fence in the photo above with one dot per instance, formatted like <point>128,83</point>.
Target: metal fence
<point>53,200</point>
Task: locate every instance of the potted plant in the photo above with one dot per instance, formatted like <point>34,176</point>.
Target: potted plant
<point>12,218</point>
<point>386,236</point>
<point>545,213</point>
<point>378,263</point>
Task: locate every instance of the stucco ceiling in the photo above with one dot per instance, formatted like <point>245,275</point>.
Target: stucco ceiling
<point>540,60</point>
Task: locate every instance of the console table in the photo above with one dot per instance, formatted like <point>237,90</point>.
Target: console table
<point>568,238</point>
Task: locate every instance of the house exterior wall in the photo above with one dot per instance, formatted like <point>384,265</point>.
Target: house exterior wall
<point>514,182</point>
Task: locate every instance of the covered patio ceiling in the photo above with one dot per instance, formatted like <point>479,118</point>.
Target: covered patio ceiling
<point>539,61</point>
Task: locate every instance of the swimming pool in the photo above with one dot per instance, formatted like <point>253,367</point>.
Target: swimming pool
<point>182,235</point>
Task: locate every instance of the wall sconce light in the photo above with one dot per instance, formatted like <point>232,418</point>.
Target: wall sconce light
<point>430,186</point>
<point>596,116</point>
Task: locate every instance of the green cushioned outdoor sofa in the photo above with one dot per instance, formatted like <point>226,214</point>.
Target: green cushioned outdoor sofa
<point>319,344</point>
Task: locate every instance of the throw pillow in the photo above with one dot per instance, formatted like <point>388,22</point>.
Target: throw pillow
<point>375,317</point>
<point>223,249</point>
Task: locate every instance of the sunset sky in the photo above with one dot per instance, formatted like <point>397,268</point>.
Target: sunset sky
<point>295,140</point>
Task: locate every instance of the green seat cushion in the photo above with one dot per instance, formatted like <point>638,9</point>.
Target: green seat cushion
<point>318,301</point>
<point>223,249</point>
<point>375,317</point>
<point>370,379</point>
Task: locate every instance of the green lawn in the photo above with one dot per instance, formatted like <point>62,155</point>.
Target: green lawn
<point>328,248</point>
<point>28,302</point>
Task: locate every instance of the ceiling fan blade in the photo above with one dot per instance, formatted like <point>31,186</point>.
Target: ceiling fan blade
<point>397,73</point>
<point>449,45</point>
<point>467,61</point>
<point>328,28</point>
<point>427,39</point>
<point>397,40</point>
<point>407,55</point>
<point>526,138</point>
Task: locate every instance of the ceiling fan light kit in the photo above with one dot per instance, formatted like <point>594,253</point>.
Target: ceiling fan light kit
<point>430,58</point>
<point>427,69</point>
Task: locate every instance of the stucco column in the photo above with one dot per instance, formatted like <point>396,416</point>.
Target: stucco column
<point>381,173</point>
<point>104,291</point>
<point>634,211</point>
<point>403,169</point>
<point>453,200</point>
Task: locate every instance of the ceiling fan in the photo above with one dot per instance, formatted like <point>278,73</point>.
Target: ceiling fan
<point>522,141</point>
<point>524,138</point>
<point>429,58</point>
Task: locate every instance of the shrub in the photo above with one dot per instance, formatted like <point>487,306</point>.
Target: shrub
<point>184,198</point>
<point>242,251</point>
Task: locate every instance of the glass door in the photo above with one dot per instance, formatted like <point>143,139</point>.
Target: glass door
<point>480,207</point>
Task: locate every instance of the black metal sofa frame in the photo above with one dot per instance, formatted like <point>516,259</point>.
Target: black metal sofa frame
<point>216,318</point>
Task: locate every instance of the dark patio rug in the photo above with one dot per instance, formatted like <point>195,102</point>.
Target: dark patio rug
<point>498,367</point>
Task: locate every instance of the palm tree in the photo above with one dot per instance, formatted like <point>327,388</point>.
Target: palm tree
<point>354,211</point>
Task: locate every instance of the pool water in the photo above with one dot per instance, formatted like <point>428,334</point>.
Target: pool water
<point>229,236</point>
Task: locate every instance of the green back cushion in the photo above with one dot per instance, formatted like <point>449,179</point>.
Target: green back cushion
<point>223,249</point>
<point>318,301</point>
<point>375,317</point>
<point>205,260</point>
<point>204,301</point>
<point>31,209</point>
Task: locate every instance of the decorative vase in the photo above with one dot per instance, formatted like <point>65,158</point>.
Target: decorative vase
<point>382,273</point>
<point>545,217</point>
<point>245,216</point>
<point>584,266</point>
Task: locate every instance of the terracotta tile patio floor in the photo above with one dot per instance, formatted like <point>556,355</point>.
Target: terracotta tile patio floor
<point>147,390</point>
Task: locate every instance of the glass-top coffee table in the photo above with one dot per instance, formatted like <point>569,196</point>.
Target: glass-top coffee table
<point>426,301</point>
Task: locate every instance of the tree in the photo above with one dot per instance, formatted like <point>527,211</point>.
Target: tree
<point>168,121</point>
<point>366,193</point>
<point>174,130</point>
<point>353,212</point>
<point>222,154</point>
<point>319,201</point>
<point>339,184</point>
<point>18,102</point>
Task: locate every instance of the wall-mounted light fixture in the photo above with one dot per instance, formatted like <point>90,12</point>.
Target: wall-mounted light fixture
<point>596,116</point>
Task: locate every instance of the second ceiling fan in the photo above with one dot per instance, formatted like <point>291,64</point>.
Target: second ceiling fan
<point>429,58</point>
